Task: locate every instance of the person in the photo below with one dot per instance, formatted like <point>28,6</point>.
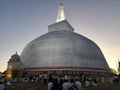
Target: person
<point>78,85</point>
<point>87,83</point>
<point>71,85</point>
<point>61,83</point>
<point>56,85</point>
<point>1,86</point>
<point>65,85</point>
<point>94,83</point>
<point>50,84</point>
<point>8,82</point>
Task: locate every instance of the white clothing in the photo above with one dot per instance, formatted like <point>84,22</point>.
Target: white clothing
<point>1,86</point>
<point>8,83</point>
<point>65,86</point>
<point>87,83</point>
<point>50,85</point>
<point>94,84</point>
<point>71,84</point>
<point>78,85</point>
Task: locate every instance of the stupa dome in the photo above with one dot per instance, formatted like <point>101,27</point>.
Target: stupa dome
<point>63,48</point>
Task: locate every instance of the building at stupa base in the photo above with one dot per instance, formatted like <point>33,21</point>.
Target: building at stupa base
<point>61,51</point>
<point>15,67</point>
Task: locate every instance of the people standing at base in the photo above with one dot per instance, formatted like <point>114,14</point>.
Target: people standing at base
<point>8,82</point>
<point>65,85</point>
<point>1,86</point>
<point>94,83</point>
<point>71,84</point>
<point>87,83</point>
<point>61,83</point>
<point>50,84</point>
<point>78,85</point>
<point>56,85</point>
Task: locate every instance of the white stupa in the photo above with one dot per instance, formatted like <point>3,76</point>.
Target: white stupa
<point>63,50</point>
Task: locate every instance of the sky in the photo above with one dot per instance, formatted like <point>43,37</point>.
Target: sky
<point>21,21</point>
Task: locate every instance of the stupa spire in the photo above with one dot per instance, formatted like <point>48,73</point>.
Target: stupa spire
<point>61,14</point>
<point>61,23</point>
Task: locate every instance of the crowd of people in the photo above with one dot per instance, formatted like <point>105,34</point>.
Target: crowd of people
<point>53,83</point>
<point>64,84</point>
<point>57,83</point>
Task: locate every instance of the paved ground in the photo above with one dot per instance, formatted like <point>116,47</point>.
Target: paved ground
<point>36,86</point>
